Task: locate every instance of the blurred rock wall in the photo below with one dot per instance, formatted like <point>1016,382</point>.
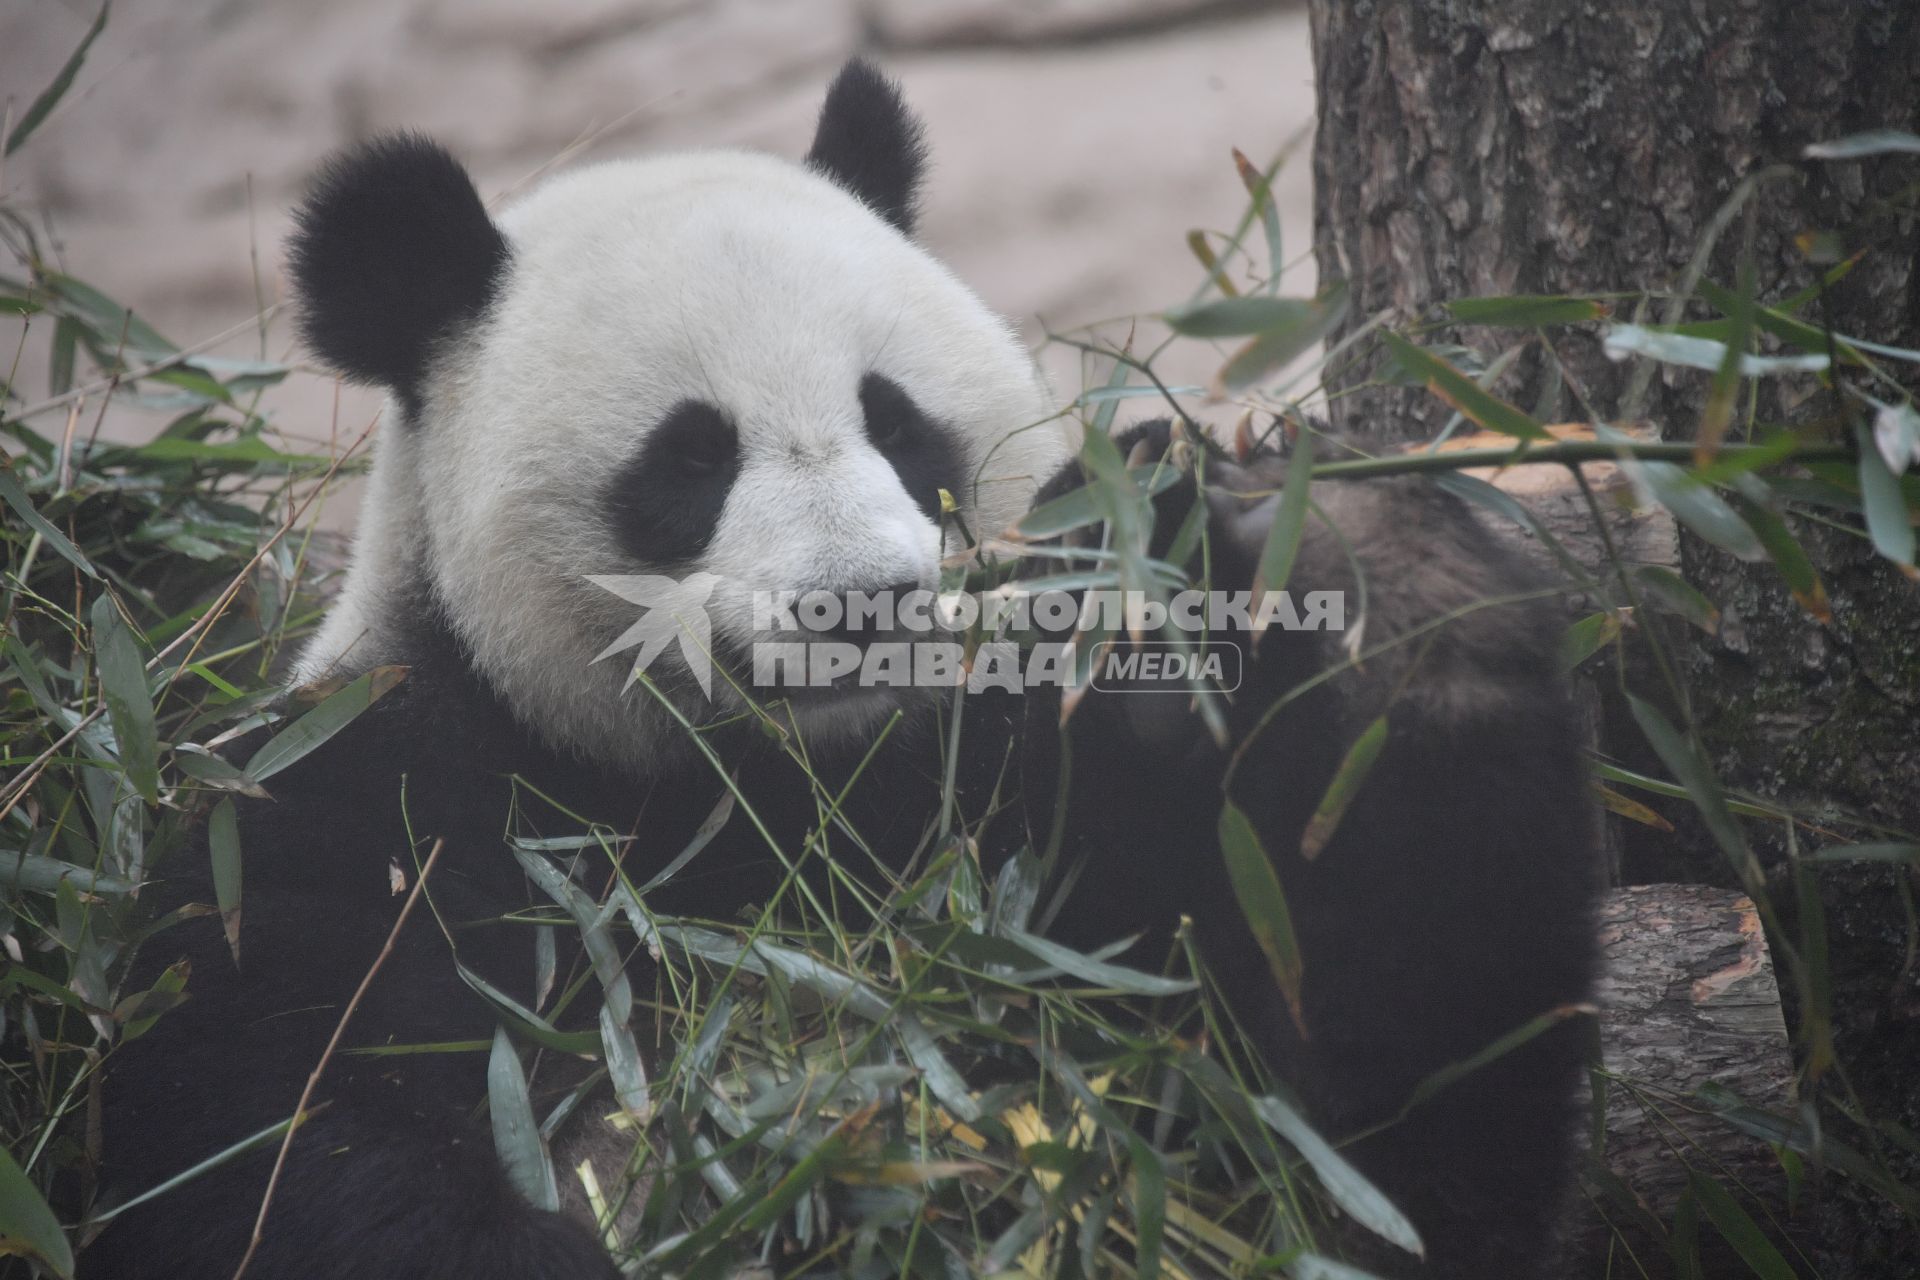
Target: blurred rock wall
<point>1075,142</point>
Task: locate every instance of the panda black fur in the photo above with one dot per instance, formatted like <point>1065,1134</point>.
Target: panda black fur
<point>721,362</point>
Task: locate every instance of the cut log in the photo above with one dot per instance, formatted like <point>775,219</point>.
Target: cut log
<point>1643,535</point>
<point>1688,998</point>
<point>1688,995</point>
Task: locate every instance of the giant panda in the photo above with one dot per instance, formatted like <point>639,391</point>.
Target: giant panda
<point>727,364</point>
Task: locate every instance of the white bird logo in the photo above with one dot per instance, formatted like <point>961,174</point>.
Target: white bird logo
<point>675,607</point>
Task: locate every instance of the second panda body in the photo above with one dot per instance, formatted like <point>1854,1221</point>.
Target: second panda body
<point>729,369</point>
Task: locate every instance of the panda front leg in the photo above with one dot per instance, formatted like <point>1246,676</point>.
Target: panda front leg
<point>366,1190</point>
<point>1450,904</point>
<point>390,1177</point>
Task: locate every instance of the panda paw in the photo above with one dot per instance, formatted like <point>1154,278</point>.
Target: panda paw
<point>1239,488</point>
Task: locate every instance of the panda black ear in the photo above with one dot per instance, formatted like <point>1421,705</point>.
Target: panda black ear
<point>869,143</point>
<point>391,250</point>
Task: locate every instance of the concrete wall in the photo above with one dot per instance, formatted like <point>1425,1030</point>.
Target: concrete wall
<point>1075,142</point>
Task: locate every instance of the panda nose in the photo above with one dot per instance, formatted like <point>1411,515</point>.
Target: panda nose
<point>866,617</point>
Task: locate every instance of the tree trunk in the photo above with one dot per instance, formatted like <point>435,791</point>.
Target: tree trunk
<point>1473,147</point>
<point>1477,147</point>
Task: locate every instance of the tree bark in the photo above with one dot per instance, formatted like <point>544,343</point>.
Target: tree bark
<point>1688,997</point>
<point>1477,147</point>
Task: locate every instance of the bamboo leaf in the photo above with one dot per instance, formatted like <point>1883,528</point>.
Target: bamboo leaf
<point>1314,1266</point>
<point>1260,190</point>
<point>137,1014</point>
<point>944,1081</point>
<point>516,1135</point>
<point>42,106</point>
<point>1346,784</point>
<point>1587,637</point>
<point>1725,389</point>
<point>1747,808</point>
<point>1080,507</point>
<point>1347,1186</point>
<point>1888,522</point>
<point>1107,395</point>
<point>247,1145</point>
<point>1526,310</point>
<point>1669,591</point>
<point>27,1225</point>
<point>1148,1187</point>
<point>1738,1228</point>
<point>1087,969</point>
<point>1870,142</point>
<point>546,963</point>
<point>1625,340</point>
<point>38,874</point>
<point>1289,521</point>
<point>1788,556</point>
<point>625,1067</point>
<point>1264,902</point>
<point>251,451</point>
<point>526,1021</point>
<point>1822,1143</point>
<point>123,686</point>
<point>312,730</point>
<point>1238,317</point>
<point>1684,760</point>
<point>66,341</point>
<point>1197,243</point>
<point>223,846</point>
<point>1816,977</point>
<point>112,324</point>
<point>1280,343</point>
<point>1462,392</point>
<point>1499,1047</point>
<point>1896,434</point>
<point>16,497</point>
<point>702,837</point>
<point>1695,505</point>
<point>1630,809</point>
<point>1683,1243</point>
<point>1477,491</point>
<point>805,1173</point>
<point>1776,321</point>
<point>203,765</point>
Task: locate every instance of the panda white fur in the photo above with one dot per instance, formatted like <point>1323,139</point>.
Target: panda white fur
<point>716,278</point>
<point>725,363</point>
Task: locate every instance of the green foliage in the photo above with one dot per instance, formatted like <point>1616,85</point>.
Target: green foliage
<point>936,1089</point>
<point>147,592</point>
<point>43,104</point>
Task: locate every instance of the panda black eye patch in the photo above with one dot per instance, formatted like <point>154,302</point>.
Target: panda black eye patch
<point>924,453</point>
<point>665,501</point>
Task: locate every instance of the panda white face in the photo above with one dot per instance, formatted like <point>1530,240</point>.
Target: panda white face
<point>717,364</point>
<point>713,363</point>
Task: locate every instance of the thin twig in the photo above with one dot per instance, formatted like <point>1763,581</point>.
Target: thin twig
<point>1560,452</point>
<point>148,370</point>
<point>306,1094</point>
<point>581,142</point>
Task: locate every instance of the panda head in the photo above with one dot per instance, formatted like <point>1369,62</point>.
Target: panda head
<point>710,363</point>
